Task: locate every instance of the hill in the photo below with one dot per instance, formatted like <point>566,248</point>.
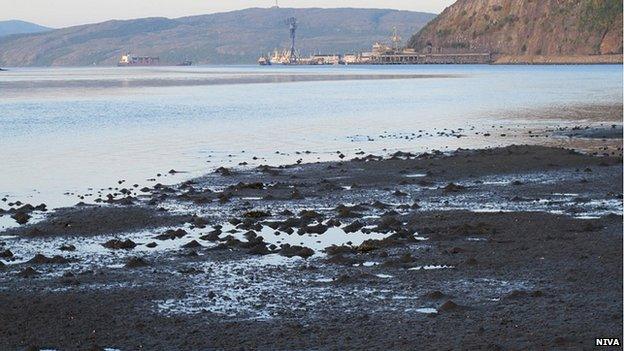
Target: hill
<point>20,27</point>
<point>231,37</point>
<point>528,30</point>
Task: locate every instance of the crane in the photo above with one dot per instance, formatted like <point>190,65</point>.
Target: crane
<point>292,23</point>
<point>396,39</point>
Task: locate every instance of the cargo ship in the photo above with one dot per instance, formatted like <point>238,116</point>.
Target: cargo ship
<point>133,60</point>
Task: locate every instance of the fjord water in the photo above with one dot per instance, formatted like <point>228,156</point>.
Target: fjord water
<point>67,130</point>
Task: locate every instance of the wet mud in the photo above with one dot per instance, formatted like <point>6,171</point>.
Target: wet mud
<point>504,248</point>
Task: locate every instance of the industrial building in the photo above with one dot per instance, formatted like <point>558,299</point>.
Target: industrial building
<point>381,54</point>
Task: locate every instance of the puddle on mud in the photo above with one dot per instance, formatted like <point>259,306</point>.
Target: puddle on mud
<point>367,264</point>
<point>384,276</point>
<point>430,267</point>
<point>259,288</point>
<point>425,310</point>
<point>502,197</point>
<point>235,288</point>
<point>90,253</point>
<point>317,242</point>
<point>265,286</point>
<point>565,205</point>
<point>485,289</point>
<point>7,222</point>
<point>476,239</point>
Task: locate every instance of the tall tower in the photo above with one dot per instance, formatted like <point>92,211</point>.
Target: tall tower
<point>292,23</point>
<point>396,39</point>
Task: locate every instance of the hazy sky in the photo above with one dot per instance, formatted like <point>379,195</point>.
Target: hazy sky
<point>62,13</point>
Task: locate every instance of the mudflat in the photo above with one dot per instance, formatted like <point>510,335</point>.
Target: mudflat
<point>504,248</point>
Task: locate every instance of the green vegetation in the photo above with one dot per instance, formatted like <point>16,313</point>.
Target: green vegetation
<point>444,32</point>
<point>509,19</point>
<point>598,15</point>
<point>460,45</point>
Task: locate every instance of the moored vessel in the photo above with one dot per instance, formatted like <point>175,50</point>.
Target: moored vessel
<point>133,60</point>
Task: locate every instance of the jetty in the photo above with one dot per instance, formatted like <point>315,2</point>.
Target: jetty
<point>402,58</point>
<point>381,54</point>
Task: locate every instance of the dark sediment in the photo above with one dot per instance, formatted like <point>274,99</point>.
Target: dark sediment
<point>518,279</point>
<point>96,220</point>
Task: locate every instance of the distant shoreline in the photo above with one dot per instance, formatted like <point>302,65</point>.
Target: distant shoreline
<point>502,60</point>
<point>559,60</point>
<point>270,77</point>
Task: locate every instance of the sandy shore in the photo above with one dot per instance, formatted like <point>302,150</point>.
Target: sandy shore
<point>504,248</point>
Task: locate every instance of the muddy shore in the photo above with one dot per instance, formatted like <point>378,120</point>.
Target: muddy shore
<point>504,248</point>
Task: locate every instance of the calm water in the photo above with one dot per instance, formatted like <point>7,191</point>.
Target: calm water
<point>66,130</point>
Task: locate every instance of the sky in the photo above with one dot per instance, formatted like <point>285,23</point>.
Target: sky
<point>64,13</point>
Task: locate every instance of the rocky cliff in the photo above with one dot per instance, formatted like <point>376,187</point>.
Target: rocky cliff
<point>543,29</point>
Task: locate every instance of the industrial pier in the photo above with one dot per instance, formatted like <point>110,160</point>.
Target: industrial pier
<point>415,59</point>
<point>381,54</point>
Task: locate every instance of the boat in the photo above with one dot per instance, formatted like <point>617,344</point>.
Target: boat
<point>284,57</point>
<point>132,60</point>
<point>263,61</point>
<point>277,58</point>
